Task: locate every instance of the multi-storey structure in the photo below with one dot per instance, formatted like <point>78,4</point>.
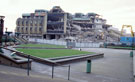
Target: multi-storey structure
<point>43,24</point>
<point>89,21</point>
<point>56,24</point>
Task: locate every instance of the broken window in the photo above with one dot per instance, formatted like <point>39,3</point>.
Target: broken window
<point>27,23</point>
<point>55,23</point>
<point>26,29</point>
<point>56,17</point>
<point>22,23</point>
<point>18,23</point>
<point>40,29</point>
<point>31,29</point>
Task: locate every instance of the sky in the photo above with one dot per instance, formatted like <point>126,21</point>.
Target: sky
<point>116,12</point>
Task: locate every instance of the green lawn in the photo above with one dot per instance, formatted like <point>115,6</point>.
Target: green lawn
<point>121,47</point>
<point>41,45</point>
<point>49,53</point>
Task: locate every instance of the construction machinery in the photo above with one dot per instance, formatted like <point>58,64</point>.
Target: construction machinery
<point>127,26</point>
<point>126,40</point>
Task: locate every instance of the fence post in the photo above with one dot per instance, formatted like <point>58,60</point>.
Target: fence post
<point>69,72</point>
<point>52,71</point>
<point>28,65</point>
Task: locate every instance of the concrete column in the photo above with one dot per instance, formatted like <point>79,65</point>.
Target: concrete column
<point>44,24</point>
<point>65,22</point>
<point>29,27</point>
<point>62,36</point>
<point>20,29</point>
<point>38,25</point>
<point>48,37</point>
<point>33,27</point>
<point>24,26</point>
<point>57,37</point>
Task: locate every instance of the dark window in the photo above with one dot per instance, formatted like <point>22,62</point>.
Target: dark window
<point>18,23</point>
<point>18,29</point>
<point>40,29</point>
<point>22,30</point>
<point>26,23</point>
<point>40,23</point>
<point>26,29</point>
<point>31,29</point>
<point>22,23</point>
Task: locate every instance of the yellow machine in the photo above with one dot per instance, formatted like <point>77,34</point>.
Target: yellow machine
<point>127,26</point>
<point>132,34</point>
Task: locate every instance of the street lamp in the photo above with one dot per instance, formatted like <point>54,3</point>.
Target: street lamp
<point>6,37</point>
<point>1,30</point>
<point>132,45</point>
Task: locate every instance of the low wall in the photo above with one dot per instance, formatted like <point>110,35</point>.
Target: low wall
<point>62,61</point>
<point>37,59</point>
<point>79,58</point>
<point>5,60</point>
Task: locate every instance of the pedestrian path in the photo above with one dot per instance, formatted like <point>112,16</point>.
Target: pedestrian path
<point>116,66</point>
<point>11,74</point>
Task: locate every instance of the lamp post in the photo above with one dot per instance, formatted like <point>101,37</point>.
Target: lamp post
<point>132,45</point>
<point>1,31</point>
<point>6,37</point>
<point>105,42</point>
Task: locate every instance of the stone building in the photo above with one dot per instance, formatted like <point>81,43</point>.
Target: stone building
<point>57,24</point>
<point>43,24</point>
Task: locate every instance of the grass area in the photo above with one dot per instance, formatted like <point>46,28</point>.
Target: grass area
<point>49,53</point>
<point>121,47</point>
<point>41,45</point>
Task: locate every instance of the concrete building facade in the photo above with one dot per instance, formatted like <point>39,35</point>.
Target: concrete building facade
<point>43,24</point>
<point>57,24</point>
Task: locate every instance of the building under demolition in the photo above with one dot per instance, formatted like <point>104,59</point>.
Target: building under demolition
<point>43,24</point>
<point>57,24</point>
<point>89,21</point>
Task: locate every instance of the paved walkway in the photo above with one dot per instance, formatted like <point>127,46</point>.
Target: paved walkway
<point>116,66</point>
<point>11,74</point>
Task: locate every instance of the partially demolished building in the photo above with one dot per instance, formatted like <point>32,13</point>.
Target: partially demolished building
<point>89,21</point>
<point>57,24</point>
<point>43,24</point>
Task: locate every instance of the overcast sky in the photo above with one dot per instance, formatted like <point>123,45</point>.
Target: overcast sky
<point>117,12</point>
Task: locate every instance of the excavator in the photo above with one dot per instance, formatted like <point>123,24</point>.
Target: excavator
<point>132,34</point>
<point>127,40</point>
<point>127,26</point>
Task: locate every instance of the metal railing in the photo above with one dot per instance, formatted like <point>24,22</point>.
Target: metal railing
<point>28,65</point>
<point>53,66</point>
<point>61,66</point>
